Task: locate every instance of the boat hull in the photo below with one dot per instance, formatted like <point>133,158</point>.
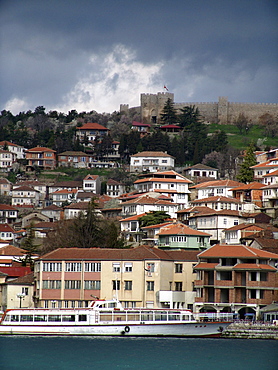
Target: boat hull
<point>211,329</point>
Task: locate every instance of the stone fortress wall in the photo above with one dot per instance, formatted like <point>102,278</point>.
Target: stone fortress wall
<point>222,112</point>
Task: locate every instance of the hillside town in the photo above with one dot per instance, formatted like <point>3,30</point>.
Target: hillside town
<point>189,236</point>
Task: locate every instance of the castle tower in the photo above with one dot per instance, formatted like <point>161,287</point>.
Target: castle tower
<point>222,110</point>
<point>152,106</point>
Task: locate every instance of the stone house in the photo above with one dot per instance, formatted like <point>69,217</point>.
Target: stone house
<point>235,234</point>
<point>59,197</point>
<point>130,228</point>
<point>53,212</point>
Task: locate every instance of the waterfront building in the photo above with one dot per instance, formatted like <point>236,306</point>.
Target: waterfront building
<point>139,277</point>
<point>235,278</point>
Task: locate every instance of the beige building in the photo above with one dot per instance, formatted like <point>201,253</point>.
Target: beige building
<point>138,277</point>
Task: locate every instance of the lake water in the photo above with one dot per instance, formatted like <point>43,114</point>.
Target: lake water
<point>25,352</point>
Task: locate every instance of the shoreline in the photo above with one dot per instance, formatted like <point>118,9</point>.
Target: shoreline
<point>249,330</point>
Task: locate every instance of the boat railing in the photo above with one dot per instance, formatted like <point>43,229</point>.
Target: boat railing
<point>214,316</point>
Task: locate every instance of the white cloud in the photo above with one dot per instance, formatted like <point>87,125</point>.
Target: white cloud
<point>15,105</point>
<point>112,79</point>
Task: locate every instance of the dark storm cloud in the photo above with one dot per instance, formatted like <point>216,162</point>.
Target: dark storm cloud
<point>205,48</point>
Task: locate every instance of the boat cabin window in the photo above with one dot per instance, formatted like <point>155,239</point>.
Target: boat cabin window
<point>82,317</point>
<point>26,318</point>
<point>174,316</point>
<point>14,317</point>
<point>68,318</point>
<point>54,318</point>
<point>40,318</point>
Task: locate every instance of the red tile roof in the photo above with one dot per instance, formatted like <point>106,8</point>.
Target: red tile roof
<point>180,229</point>
<point>216,199</point>
<point>233,251</point>
<point>151,154</point>
<point>250,186</point>
<point>217,183</point>
<point>205,266</point>
<point>254,266</point>
<point>92,126</point>
<point>40,149</point>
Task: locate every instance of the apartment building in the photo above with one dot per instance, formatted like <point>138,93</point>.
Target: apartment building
<point>138,277</point>
<point>235,278</point>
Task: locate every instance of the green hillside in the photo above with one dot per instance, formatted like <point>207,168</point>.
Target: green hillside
<point>239,141</point>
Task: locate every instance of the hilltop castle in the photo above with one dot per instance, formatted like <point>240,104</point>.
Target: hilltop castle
<point>222,112</point>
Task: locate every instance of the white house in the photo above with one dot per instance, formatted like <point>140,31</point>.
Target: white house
<point>216,222</point>
<point>201,170</point>
<point>7,159</point>
<point>215,188</point>
<point>146,203</point>
<point>168,183</point>
<point>151,162</point>
<point>114,188</point>
<point>8,214</point>
<point>18,150</point>
<point>25,195</point>
<point>61,196</point>
<point>92,183</point>
<point>265,168</point>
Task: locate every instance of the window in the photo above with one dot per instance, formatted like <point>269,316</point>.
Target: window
<point>116,284</point>
<point>253,276</point>
<point>178,286</point>
<point>24,291</point>
<point>92,266</point>
<point>72,284</point>
<point>128,285</point>
<point>150,285</point>
<point>150,267</point>
<point>261,294</point>
<point>253,294</point>
<point>178,267</point>
<point>73,266</point>
<point>51,284</point>
<point>128,267</point>
<point>92,284</point>
<point>263,276</point>
<point>116,267</point>
<point>52,266</point>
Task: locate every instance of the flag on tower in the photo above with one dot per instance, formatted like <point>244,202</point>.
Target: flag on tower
<point>165,88</point>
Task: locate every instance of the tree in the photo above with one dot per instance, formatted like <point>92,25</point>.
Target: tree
<point>87,230</point>
<point>246,174</point>
<point>31,248</point>
<point>153,218</point>
<point>189,115</point>
<point>270,124</point>
<point>168,115</point>
<point>243,124</point>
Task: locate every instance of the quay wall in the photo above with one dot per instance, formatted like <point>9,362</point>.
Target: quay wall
<point>246,330</point>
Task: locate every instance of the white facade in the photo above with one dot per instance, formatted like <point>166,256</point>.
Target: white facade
<point>25,195</point>
<point>151,161</point>
<point>168,183</point>
<point>6,160</point>
<point>92,183</point>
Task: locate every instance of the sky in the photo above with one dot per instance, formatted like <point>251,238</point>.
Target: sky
<point>95,55</point>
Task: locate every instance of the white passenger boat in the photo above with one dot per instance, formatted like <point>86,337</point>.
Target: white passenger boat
<point>110,318</point>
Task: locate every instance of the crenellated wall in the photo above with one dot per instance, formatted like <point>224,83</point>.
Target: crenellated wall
<point>222,111</point>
